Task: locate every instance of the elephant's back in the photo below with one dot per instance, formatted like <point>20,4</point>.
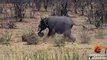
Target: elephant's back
<point>61,19</point>
<point>60,22</point>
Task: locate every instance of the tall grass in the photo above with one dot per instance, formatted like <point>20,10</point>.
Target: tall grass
<point>45,54</point>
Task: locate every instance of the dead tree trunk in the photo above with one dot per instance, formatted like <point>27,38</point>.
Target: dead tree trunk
<point>60,9</point>
<point>19,10</point>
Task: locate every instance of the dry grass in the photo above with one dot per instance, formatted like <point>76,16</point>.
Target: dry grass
<point>100,34</point>
<point>85,37</point>
<point>59,42</point>
<point>44,54</point>
<point>8,25</point>
<point>5,38</point>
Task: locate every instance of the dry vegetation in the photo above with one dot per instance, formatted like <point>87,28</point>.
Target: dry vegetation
<point>54,48</point>
<point>43,53</point>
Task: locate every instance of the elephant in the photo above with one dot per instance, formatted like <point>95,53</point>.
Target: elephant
<point>56,24</point>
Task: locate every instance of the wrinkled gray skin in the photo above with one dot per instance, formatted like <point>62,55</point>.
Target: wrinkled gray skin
<point>56,24</point>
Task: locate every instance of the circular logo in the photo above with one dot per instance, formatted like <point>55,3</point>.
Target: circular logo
<point>98,49</point>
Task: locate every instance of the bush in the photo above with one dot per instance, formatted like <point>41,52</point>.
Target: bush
<point>5,38</point>
<point>30,38</point>
<point>8,25</point>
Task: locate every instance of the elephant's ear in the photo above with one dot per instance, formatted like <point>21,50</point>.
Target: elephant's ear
<point>46,21</point>
<point>41,18</point>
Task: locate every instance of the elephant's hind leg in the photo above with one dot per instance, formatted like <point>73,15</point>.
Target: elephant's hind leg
<point>67,35</point>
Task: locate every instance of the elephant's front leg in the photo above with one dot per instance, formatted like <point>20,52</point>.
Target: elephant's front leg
<point>51,32</point>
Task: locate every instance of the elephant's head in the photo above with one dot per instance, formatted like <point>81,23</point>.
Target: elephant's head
<point>42,26</point>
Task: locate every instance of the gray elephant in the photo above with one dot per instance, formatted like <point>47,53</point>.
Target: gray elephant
<point>56,24</point>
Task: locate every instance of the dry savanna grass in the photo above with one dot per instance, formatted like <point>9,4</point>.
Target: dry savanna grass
<point>85,37</point>
<point>100,34</point>
<point>58,53</point>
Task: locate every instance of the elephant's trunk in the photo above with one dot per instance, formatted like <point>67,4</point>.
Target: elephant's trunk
<point>38,29</point>
<point>40,33</point>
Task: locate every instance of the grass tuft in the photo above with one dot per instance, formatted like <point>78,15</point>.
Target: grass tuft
<point>85,38</point>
